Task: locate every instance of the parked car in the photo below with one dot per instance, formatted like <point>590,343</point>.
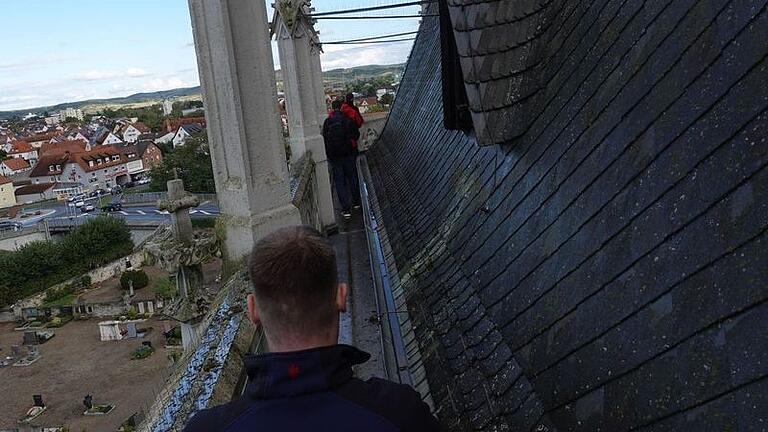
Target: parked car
<point>79,204</point>
<point>142,181</point>
<point>112,207</point>
<point>9,225</point>
<point>74,198</point>
<point>97,192</point>
<point>87,208</point>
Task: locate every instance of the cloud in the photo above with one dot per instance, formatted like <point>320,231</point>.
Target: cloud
<point>346,56</point>
<point>98,75</point>
<point>34,63</point>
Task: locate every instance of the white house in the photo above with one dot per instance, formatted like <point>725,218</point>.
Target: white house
<point>165,138</point>
<point>23,150</point>
<point>186,131</point>
<point>132,132</point>
<point>109,139</point>
<point>10,167</point>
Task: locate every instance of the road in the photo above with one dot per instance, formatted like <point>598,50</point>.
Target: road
<point>147,213</point>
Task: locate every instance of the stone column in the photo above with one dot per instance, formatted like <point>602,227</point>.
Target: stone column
<point>234,57</point>
<point>299,51</point>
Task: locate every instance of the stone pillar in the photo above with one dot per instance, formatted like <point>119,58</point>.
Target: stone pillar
<point>180,220</point>
<point>234,57</point>
<point>299,50</point>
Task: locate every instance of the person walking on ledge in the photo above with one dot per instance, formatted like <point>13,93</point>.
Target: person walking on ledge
<point>340,133</point>
<point>306,382</point>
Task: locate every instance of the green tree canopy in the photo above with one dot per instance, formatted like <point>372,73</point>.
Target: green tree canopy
<point>192,162</point>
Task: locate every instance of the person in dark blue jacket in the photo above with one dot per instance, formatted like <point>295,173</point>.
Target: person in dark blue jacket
<point>340,133</point>
<point>306,382</point>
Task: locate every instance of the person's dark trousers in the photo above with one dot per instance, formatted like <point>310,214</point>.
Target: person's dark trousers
<point>344,172</point>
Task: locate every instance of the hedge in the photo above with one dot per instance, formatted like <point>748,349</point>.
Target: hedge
<point>39,265</point>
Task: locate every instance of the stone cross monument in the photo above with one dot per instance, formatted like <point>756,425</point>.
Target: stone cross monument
<point>189,271</point>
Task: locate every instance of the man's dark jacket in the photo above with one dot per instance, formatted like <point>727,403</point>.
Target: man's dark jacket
<point>314,390</point>
<point>339,132</point>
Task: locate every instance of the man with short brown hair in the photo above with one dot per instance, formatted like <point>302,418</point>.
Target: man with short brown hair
<point>306,382</point>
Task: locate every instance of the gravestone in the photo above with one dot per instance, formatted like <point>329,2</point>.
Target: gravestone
<point>88,401</point>
<point>30,338</point>
<point>16,352</point>
<point>131,327</point>
<point>33,351</point>
<point>38,400</point>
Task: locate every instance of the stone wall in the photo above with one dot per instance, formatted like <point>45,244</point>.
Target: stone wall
<point>12,243</point>
<point>98,275</point>
<point>605,269</point>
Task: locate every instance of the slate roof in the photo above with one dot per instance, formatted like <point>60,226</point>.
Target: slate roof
<point>602,267</point>
<point>503,46</point>
<point>192,128</point>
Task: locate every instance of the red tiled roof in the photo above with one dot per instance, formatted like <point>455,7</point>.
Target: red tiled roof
<point>4,180</point>
<point>42,167</point>
<point>100,152</point>
<point>20,147</point>
<point>141,127</point>
<point>16,164</point>
<point>34,189</point>
<point>173,125</point>
<point>75,146</point>
<point>41,137</point>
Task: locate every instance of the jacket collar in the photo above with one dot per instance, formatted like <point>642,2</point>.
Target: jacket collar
<point>277,375</point>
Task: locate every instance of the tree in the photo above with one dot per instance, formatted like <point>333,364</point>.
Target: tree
<point>192,162</point>
<point>3,155</point>
<point>386,99</point>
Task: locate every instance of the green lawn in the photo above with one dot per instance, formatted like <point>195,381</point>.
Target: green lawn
<point>64,301</point>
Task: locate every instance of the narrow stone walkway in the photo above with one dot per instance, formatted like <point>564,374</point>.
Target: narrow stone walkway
<point>359,326</point>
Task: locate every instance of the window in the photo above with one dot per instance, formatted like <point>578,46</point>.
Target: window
<point>90,163</point>
<point>50,168</point>
<point>456,115</point>
<point>98,161</point>
<point>58,167</point>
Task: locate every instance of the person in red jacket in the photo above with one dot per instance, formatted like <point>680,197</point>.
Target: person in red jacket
<point>352,112</point>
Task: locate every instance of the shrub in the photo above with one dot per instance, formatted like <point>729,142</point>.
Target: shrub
<point>165,289</point>
<point>139,278</point>
<point>131,314</point>
<point>142,352</point>
<point>203,223</point>
<point>39,265</point>
<point>85,281</point>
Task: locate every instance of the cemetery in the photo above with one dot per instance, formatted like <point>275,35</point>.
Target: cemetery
<point>75,363</point>
<point>117,340</point>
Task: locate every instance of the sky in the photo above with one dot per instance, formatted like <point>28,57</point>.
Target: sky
<point>56,51</point>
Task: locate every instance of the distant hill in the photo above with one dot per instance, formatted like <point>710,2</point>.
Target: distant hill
<point>333,76</point>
